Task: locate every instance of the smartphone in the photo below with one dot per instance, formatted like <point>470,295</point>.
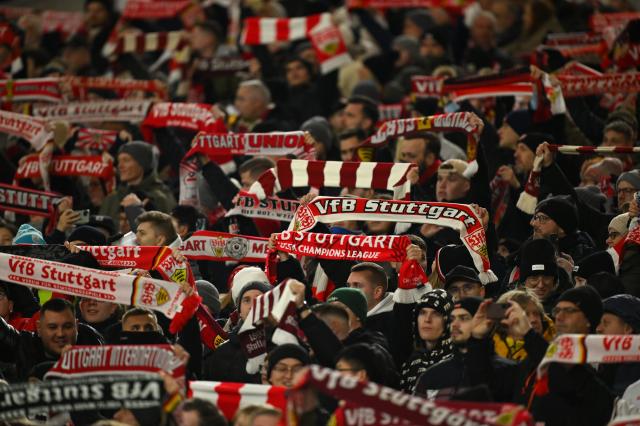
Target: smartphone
<point>84,216</point>
<point>497,311</point>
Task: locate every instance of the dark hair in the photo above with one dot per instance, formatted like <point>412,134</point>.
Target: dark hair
<point>211,27</point>
<point>419,242</point>
<point>162,224</point>
<point>369,107</point>
<point>257,166</point>
<point>331,310</point>
<point>620,127</point>
<point>187,216</point>
<point>370,358</point>
<point>207,412</point>
<point>432,144</point>
<point>376,273</point>
<point>137,311</point>
<point>57,305</point>
<point>352,133</point>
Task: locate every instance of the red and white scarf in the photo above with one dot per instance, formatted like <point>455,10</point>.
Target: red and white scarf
<point>268,208</point>
<point>231,397</point>
<point>279,304</point>
<point>144,42</point>
<point>23,126</point>
<point>29,202</point>
<point>221,247</point>
<point>460,217</point>
<point>30,90</point>
<point>109,286</point>
<point>333,174</point>
<point>276,143</point>
<point>99,111</point>
<point>95,139</point>
<point>67,165</point>
<point>451,5</point>
<point>123,87</point>
<point>191,116</point>
<point>587,149</point>
<point>601,21</point>
<point>52,20</point>
<point>529,196</point>
<point>153,9</point>
<point>258,30</point>
<point>84,361</point>
<point>329,46</point>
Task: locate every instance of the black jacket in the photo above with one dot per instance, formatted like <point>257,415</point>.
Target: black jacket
<point>228,362</point>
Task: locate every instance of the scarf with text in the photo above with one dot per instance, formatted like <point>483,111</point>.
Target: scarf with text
<point>275,143</point>
<point>231,397</point>
<point>221,64</point>
<point>95,139</point>
<point>460,217</point>
<point>456,121</point>
<point>23,126</point>
<point>333,174</point>
<point>279,304</point>
<point>66,22</point>
<point>83,361</point>
<point>123,87</point>
<point>29,201</point>
<point>109,286</point>
<point>152,9</point>
<point>135,392</point>
<point>98,111</point>
<point>190,116</point>
<point>272,208</point>
<point>30,90</point>
<point>222,247</point>
<point>384,402</point>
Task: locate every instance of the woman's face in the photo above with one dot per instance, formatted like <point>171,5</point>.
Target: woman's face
<point>430,324</point>
<point>535,317</point>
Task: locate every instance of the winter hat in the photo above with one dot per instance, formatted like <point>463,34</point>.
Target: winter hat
<point>421,18</point>
<point>592,196</point>
<point>632,176</point>
<point>450,256</point>
<point>143,153</point>
<point>366,90</point>
<point>407,43</point>
<point>538,257</point>
<point>453,165</point>
<point>104,222</point>
<point>27,234</point>
<point>625,306</point>
<point>533,139</point>
<point>320,129</point>
<point>620,223</point>
<point>249,278</point>
<point>625,115</point>
<point>210,295</point>
<point>288,350</point>
<point>89,235</point>
<point>439,34</point>
<point>461,273</point>
<point>599,261</point>
<point>469,304</point>
<point>352,298</point>
<point>588,300</point>
<point>561,211</point>
<point>519,121</point>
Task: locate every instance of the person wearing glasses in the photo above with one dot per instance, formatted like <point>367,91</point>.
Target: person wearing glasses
<point>284,363</point>
<point>626,186</point>
<point>463,282</point>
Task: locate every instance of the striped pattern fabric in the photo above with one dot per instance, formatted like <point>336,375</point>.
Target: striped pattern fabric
<point>145,42</point>
<point>270,30</point>
<point>334,174</point>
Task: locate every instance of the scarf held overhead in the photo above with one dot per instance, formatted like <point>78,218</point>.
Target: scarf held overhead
<point>99,111</point>
<point>268,208</point>
<point>23,126</point>
<point>27,201</point>
<point>460,217</point>
<point>275,143</point>
<point>222,247</point>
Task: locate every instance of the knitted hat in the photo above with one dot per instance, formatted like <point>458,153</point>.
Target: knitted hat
<point>104,222</point>
<point>352,298</point>
<point>450,256</point>
<point>592,196</point>
<point>589,302</point>
<point>519,121</point>
<point>143,153</point>
<point>366,90</point>
<point>625,306</point>
<point>533,139</point>
<point>440,35</point>
<point>27,234</point>
<point>89,235</point>
<point>538,257</point>
<point>288,350</point>
<point>421,18</point>
<point>320,129</point>
<point>599,261</point>
<point>561,211</point>
<point>408,44</point>
<point>461,273</point>
<point>632,176</point>
<point>620,223</point>
<point>469,304</point>
<point>249,278</point>
<point>453,165</point>
<point>210,295</point>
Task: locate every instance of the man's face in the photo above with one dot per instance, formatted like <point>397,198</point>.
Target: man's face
<point>129,169</point>
<point>6,238</point>
<point>508,136</point>
<point>412,151</point>
<point>614,237</point>
<point>146,235</point>
<point>297,74</point>
<point>482,31</point>
<point>265,420</point>
<point>461,289</point>
<point>247,179</point>
<point>504,18</point>
<point>535,317</point>
<point>95,15</point>
<point>56,330</point>
<point>460,326</point>
<point>6,305</point>
<point>348,369</point>
<point>354,117</point>
<point>283,372</point>
<point>201,39</point>
<point>543,226</point>
<point>247,301</point>
<point>94,311</point>
<point>451,186</point>
<point>362,280</point>
<point>411,29</point>
<point>140,323</point>
<point>379,227</point>
<point>570,319</point>
<point>523,158</point>
<point>625,192</point>
<point>248,104</point>
<point>430,48</point>
<point>348,148</point>
<point>613,138</point>
<point>430,324</point>
<point>189,418</point>
<point>541,285</point>
<point>613,324</point>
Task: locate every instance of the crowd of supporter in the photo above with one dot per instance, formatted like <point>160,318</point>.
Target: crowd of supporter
<point>568,264</point>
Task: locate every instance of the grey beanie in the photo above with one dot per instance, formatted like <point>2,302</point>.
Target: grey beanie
<point>210,296</point>
<point>320,129</point>
<point>144,153</point>
<point>632,176</point>
<point>592,196</point>
<point>409,44</point>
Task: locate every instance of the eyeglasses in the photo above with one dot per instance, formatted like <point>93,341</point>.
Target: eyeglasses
<point>283,369</point>
<point>613,235</point>
<point>463,288</point>
<point>626,191</point>
<point>540,218</point>
<point>567,311</point>
<point>536,280</point>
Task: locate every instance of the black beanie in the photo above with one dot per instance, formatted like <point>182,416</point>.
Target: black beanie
<point>600,261</point>
<point>142,153</point>
<point>469,304</point>
<point>589,302</point>
<point>288,350</point>
<point>450,256</point>
<point>519,121</point>
<point>90,235</point>
<point>538,257</point>
<point>561,211</point>
<point>534,139</point>
<point>625,306</point>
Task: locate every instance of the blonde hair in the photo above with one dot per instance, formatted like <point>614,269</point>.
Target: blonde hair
<point>523,298</point>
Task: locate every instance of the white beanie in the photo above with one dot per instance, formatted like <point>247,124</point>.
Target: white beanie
<point>244,278</point>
